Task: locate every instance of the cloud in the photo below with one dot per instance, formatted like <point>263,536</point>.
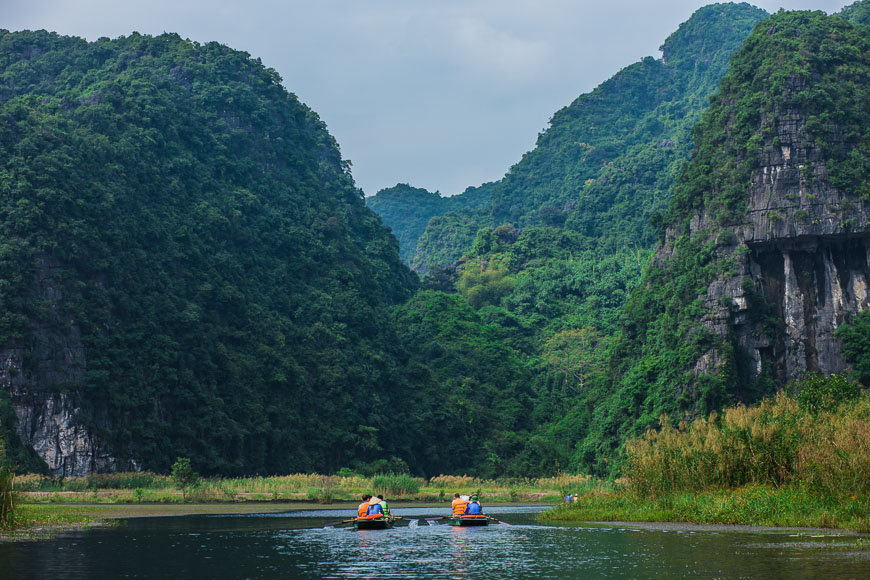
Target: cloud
<point>499,55</point>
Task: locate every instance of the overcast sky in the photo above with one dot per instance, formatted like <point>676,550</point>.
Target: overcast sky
<point>441,94</point>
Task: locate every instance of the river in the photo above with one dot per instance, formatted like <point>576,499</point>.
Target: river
<point>296,545</point>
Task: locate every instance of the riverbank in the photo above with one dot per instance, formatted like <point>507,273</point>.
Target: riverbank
<point>754,505</point>
<point>147,487</point>
<point>42,521</point>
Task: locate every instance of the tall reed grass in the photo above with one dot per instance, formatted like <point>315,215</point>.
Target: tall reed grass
<point>395,484</point>
<point>778,442</point>
<point>7,505</point>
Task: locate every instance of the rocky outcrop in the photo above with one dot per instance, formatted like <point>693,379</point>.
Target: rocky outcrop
<point>799,263</point>
<point>43,379</point>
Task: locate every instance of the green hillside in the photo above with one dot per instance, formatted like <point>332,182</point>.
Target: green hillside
<point>812,66</point>
<point>407,210</point>
<point>171,212</point>
<point>605,166</point>
<point>184,254</point>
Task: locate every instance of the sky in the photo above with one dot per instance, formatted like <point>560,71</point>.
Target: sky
<point>441,94</point>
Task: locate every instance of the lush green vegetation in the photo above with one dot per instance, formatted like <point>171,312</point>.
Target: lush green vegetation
<point>607,163</point>
<point>755,505</point>
<point>407,210</point>
<point>799,459</point>
<point>199,238</point>
<point>578,223</point>
<point>794,59</point>
<point>150,488</point>
<point>857,13</point>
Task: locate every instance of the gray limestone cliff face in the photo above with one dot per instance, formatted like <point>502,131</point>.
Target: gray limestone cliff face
<point>43,376</point>
<point>799,264</point>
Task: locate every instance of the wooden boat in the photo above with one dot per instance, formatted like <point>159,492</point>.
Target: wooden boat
<point>373,523</point>
<point>468,520</point>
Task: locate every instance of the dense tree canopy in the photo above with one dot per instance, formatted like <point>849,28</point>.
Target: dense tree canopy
<point>193,226</point>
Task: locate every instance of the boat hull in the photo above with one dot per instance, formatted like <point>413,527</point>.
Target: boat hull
<point>468,521</point>
<point>373,524</point>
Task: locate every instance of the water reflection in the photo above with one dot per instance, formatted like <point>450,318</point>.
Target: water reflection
<point>297,546</point>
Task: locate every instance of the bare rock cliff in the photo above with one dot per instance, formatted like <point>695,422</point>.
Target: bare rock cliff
<point>799,263</point>
<point>43,378</point>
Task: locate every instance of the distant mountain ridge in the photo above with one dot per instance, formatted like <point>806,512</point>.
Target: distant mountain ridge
<point>407,210</point>
<point>605,166</point>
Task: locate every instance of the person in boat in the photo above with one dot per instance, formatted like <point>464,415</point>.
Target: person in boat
<point>458,505</point>
<point>385,506</point>
<point>363,509</point>
<point>473,508</point>
<point>377,506</point>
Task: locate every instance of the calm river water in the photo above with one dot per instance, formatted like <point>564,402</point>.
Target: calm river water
<point>296,545</point>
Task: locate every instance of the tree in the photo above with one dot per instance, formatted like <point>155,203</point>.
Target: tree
<point>576,354</point>
<point>184,476</point>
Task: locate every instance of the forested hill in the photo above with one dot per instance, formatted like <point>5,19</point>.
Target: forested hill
<point>764,266</point>
<point>187,267</point>
<point>408,209</point>
<point>606,164</point>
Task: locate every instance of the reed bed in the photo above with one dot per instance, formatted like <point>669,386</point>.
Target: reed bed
<point>777,443</point>
<point>7,496</point>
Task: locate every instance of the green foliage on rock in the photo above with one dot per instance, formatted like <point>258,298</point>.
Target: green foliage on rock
<point>407,211</point>
<point>857,12</point>
<point>172,209</point>
<point>606,164</point>
<point>793,61</point>
<point>855,336</point>
<point>798,61</point>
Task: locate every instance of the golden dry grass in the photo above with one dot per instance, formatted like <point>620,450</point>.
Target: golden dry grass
<point>774,443</point>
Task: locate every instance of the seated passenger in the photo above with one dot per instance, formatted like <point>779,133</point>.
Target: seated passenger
<point>363,508</point>
<point>458,505</point>
<point>385,507</point>
<point>375,510</point>
<point>473,507</point>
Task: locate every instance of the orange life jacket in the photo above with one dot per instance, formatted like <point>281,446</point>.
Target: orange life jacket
<point>459,506</point>
<point>363,509</point>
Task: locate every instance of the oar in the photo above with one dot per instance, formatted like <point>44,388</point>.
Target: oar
<point>497,521</point>
<point>435,519</point>
<point>330,524</point>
